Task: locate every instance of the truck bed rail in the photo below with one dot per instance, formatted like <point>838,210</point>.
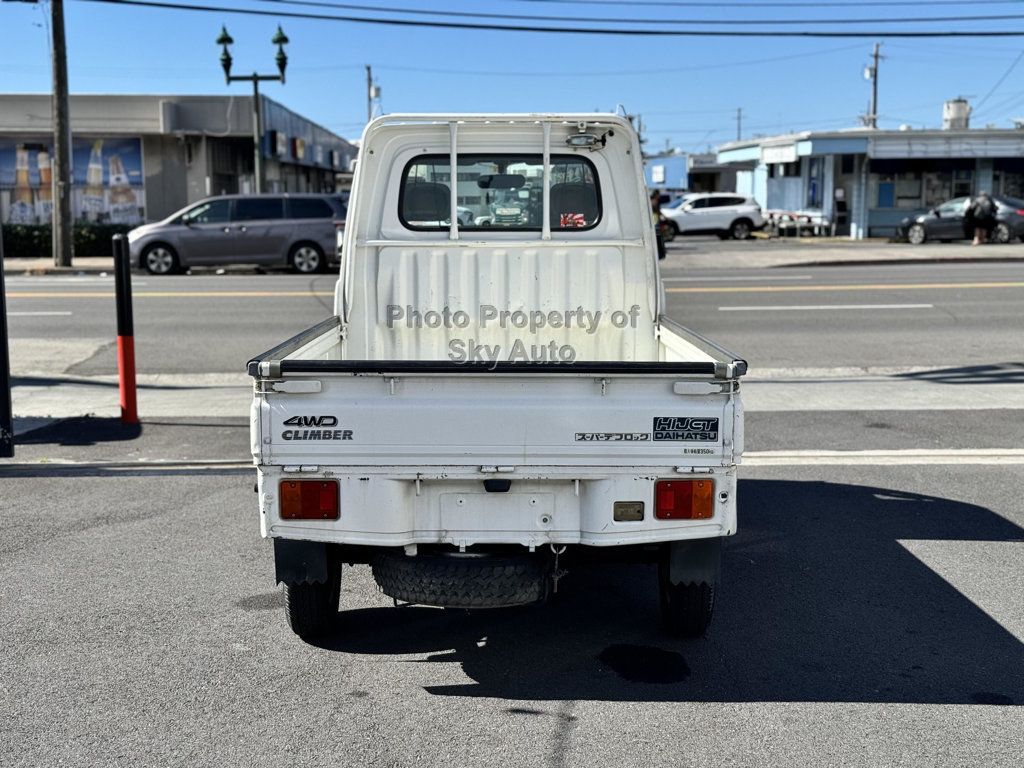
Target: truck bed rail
<point>274,362</point>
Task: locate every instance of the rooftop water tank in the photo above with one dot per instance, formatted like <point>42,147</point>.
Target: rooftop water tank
<point>956,115</point>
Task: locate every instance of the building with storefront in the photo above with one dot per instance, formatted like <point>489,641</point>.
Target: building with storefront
<point>867,180</point>
<point>140,158</point>
<point>685,172</point>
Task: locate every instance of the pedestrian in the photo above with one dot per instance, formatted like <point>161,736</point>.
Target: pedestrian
<point>659,224</point>
<point>982,215</point>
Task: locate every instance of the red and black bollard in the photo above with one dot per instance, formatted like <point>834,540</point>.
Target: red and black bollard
<point>6,413</point>
<point>125,330</point>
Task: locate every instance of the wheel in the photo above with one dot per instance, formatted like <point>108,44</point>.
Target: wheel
<point>311,607</point>
<point>307,258</point>
<point>740,229</point>
<point>686,609</point>
<point>1001,233</point>
<point>916,235</point>
<point>160,259</point>
<point>462,581</point>
<point>673,228</point>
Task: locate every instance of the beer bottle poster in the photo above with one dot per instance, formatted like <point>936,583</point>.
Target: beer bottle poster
<point>107,181</point>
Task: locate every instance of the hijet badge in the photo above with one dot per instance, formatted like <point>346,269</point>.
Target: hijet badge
<point>704,430</point>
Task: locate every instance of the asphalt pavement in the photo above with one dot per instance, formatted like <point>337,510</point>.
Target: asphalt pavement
<point>872,611</point>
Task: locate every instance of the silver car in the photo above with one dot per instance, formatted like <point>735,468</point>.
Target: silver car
<point>298,231</point>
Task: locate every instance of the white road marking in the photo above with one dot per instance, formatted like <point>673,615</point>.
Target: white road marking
<point>41,313</point>
<point>824,307</point>
<point>911,456</point>
<point>768,278</point>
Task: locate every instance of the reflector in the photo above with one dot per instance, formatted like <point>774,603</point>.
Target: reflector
<point>309,500</point>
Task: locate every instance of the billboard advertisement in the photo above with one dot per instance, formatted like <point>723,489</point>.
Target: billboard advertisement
<point>106,181</point>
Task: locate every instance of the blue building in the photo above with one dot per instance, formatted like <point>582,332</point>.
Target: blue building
<point>867,180</point>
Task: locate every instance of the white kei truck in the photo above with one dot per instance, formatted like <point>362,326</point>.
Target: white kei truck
<point>498,395</point>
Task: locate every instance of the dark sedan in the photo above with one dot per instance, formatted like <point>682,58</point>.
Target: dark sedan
<point>946,222</point>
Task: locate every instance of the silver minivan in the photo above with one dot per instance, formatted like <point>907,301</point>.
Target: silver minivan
<point>299,231</point>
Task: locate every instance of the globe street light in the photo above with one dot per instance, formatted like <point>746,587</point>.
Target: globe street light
<point>280,39</point>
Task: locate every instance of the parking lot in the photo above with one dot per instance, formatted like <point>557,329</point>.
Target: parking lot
<point>870,615</point>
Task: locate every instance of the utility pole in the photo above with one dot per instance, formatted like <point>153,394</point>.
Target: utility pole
<point>369,93</point>
<point>873,116</point>
<point>739,123</point>
<point>62,242</point>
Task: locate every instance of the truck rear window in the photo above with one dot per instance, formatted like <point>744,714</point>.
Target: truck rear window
<point>499,192</point>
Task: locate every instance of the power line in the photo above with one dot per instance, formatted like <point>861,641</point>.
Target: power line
<point>616,73</point>
<point>619,20</point>
<point>561,30</point>
<point>1002,79</point>
<point>780,4</point>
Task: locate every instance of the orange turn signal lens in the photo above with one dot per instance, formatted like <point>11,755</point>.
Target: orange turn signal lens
<point>684,499</point>
<point>309,500</point>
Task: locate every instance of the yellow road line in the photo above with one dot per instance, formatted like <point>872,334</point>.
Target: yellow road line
<point>162,294</point>
<point>862,287</point>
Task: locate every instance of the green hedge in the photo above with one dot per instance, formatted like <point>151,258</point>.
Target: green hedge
<point>34,240</point>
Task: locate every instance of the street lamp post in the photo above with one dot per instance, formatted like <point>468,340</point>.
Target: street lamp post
<point>280,39</point>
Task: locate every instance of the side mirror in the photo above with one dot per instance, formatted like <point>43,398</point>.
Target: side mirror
<point>935,212</point>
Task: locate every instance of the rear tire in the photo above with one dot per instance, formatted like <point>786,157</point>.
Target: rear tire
<point>310,608</point>
<point>462,581</point>
<point>307,259</point>
<point>686,609</point>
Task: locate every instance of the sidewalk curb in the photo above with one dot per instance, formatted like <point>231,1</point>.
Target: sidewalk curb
<point>890,262</point>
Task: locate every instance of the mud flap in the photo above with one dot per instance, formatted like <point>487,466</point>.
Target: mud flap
<point>300,562</point>
<point>694,562</point>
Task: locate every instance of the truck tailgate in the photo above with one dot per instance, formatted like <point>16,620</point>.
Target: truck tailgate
<point>537,419</point>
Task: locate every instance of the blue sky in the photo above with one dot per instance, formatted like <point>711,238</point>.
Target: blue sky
<point>687,89</point>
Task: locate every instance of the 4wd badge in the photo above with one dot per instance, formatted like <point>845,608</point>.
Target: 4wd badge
<point>317,433</point>
<point>685,428</point>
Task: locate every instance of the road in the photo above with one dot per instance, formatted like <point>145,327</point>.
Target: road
<point>872,613</point>
<point>875,315</point>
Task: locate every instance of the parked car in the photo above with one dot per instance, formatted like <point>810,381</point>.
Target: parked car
<point>272,230</point>
<point>725,214</point>
<point>946,222</point>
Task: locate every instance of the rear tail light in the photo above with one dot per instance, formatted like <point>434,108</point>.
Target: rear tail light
<point>684,499</point>
<point>309,499</point>
<point>1020,212</point>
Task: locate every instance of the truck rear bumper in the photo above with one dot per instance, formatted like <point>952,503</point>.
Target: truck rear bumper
<point>398,506</point>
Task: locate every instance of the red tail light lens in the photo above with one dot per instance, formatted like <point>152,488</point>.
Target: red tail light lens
<point>684,499</point>
<point>309,500</point>
<point>1020,212</point>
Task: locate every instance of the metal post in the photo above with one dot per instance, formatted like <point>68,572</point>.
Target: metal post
<point>369,93</point>
<point>125,331</point>
<point>62,239</point>
<point>257,135</point>
<point>6,412</point>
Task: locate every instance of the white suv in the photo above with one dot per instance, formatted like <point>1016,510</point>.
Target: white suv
<point>725,214</point>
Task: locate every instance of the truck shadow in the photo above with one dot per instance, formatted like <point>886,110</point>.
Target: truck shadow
<point>820,602</point>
